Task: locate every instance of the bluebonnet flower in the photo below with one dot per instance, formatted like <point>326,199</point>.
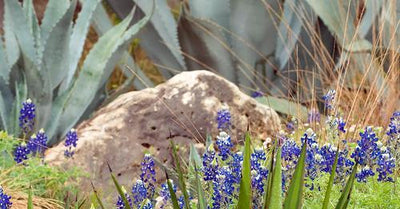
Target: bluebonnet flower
<point>147,204</point>
<point>27,116</point>
<point>5,202</point>
<point>329,98</point>
<point>364,174</point>
<point>290,150</point>
<point>257,157</point>
<point>385,165</point>
<point>394,126</point>
<point>227,184</point>
<point>224,145</point>
<point>291,126</point>
<point>181,202</point>
<point>313,116</point>
<point>120,203</point>
<point>224,119</point>
<point>210,165</point>
<point>257,94</point>
<point>70,141</point>
<point>367,150</point>
<point>165,194</point>
<point>37,143</point>
<point>236,166</point>
<point>257,185</point>
<point>313,157</point>
<point>21,153</point>
<point>139,193</point>
<point>148,174</point>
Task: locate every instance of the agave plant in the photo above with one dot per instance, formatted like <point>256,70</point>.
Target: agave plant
<point>40,61</point>
<point>285,48</point>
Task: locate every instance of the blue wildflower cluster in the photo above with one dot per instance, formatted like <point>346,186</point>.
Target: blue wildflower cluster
<point>329,99</point>
<point>5,200</point>
<point>27,116</point>
<point>36,144</point>
<point>70,142</point>
<point>224,119</point>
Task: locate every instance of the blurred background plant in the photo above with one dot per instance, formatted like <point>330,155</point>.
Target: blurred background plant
<point>289,50</point>
<point>40,61</point>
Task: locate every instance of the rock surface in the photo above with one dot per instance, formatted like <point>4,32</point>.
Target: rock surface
<point>183,109</point>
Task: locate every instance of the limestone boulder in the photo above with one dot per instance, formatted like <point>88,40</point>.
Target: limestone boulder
<point>183,109</point>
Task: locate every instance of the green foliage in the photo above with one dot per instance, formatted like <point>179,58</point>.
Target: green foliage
<point>41,62</point>
<point>34,176</point>
<point>245,199</point>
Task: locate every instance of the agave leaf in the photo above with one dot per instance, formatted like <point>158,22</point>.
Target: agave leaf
<point>19,24</point>
<point>284,106</point>
<point>56,52</point>
<point>330,183</point>
<point>98,63</point>
<point>345,197</point>
<point>181,178</point>
<point>78,36</point>
<point>5,105</point>
<point>294,197</point>
<point>217,11</point>
<point>21,93</point>
<point>4,67</point>
<point>32,20</point>
<point>257,31</point>
<point>339,17</point>
<point>55,10</point>
<point>205,46</point>
<point>372,9</point>
<point>276,188</point>
<point>290,27</point>
<point>12,50</point>
<point>165,25</point>
<point>245,183</point>
<point>172,193</point>
<point>102,23</point>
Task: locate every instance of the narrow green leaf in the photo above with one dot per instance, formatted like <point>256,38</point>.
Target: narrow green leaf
<point>182,183</point>
<point>19,24</point>
<point>285,106</point>
<point>119,189</point>
<point>345,197</point>
<point>201,201</point>
<point>79,34</point>
<point>276,190</point>
<point>294,197</point>
<point>195,159</point>
<point>245,182</point>
<point>96,195</point>
<point>268,189</point>
<point>56,49</point>
<point>30,201</point>
<point>330,183</point>
<point>172,193</point>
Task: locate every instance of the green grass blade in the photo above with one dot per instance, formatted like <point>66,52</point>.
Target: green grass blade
<point>97,197</point>
<point>181,178</point>
<point>245,183</point>
<point>119,189</point>
<point>345,197</point>
<point>276,188</point>
<point>201,204</point>
<point>30,201</point>
<point>174,200</point>
<point>294,197</point>
<point>330,183</point>
<point>268,187</point>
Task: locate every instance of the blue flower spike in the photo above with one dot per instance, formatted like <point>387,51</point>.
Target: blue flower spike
<point>5,200</point>
<point>27,116</point>
<point>70,142</point>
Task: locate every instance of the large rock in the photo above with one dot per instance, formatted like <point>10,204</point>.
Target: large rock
<point>183,109</point>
